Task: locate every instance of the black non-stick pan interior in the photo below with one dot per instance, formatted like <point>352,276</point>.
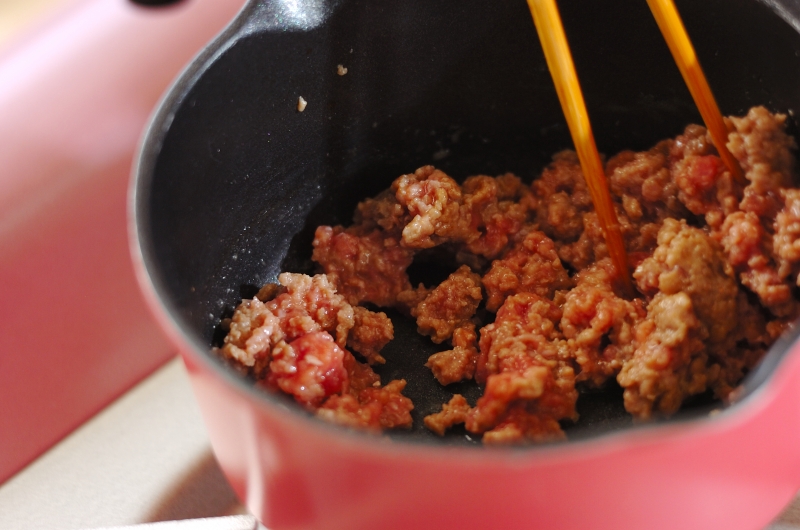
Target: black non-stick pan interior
<point>233,179</point>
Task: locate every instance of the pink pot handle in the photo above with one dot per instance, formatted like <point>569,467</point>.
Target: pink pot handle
<point>75,95</point>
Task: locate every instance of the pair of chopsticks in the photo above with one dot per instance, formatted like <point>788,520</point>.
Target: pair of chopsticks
<point>559,61</point>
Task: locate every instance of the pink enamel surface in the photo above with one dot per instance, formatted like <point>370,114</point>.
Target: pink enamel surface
<point>74,97</point>
<point>735,471</point>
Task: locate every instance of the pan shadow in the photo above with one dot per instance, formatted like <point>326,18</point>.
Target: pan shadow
<point>202,492</point>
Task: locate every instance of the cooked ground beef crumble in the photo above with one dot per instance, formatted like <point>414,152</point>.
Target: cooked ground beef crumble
<point>715,267</point>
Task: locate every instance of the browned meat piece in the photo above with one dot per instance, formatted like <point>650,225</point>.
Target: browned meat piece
<point>411,298</point>
<point>750,339</point>
<point>543,394</point>
<point>449,305</point>
<point>532,266</point>
<point>563,198</point>
<point>370,333</point>
<point>383,212</point>
<point>499,209</point>
<point>639,238</point>
<point>359,375</point>
<point>598,324</point>
<point>695,141</point>
<point>347,411</point>
<point>521,363</point>
<point>590,246</point>
<point>520,426</point>
<point>366,404</point>
<point>505,388</point>
<point>453,412</point>
<point>763,148</point>
<point>367,267</point>
<point>457,364</point>
<point>786,242</point>
<point>436,205</point>
<point>670,362</point>
<point>746,244</point>
<point>687,260</point>
<point>481,216</point>
<point>306,305</point>
<point>707,188</point>
<point>524,331</point>
<point>692,316</point>
<point>644,185</point>
<point>395,407</point>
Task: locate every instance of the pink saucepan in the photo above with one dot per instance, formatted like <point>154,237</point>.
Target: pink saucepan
<point>232,180</point>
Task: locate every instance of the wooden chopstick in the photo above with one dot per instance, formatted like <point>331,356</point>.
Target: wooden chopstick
<point>671,25</point>
<point>559,61</point>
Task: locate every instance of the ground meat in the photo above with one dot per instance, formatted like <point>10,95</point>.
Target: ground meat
<point>644,184</point>
<point>368,267</point>
<point>288,344</point>
<point>522,405</point>
<point>453,412</point>
<point>716,269</point>
<point>786,242</point>
<point>449,305</point>
<point>750,341</point>
<point>305,305</point>
<point>359,375</point>
<point>563,198</point>
<point>373,407</point>
<point>310,368</point>
<point>383,212</point>
<point>707,188</point>
<point>249,339</point>
<point>458,364</point>
<point>670,363</point>
<point>371,332</point>
<point>268,292</point>
<point>693,314</point>
<point>695,141</point>
<point>347,411</point>
<point>763,148</point>
<point>639,239</point>
<point>395,408</point>
<point>566,214</point>
<point>521,364</point>
<point>532,266</point>
<point>529,316</point>
<point>589,247</point>
<point>435,202</point>
<point>747,245</point>
<point>518,425</point>
<point>411,298</point>
<point>687,260</point>
<point>598,324</point>
<point>499,209</point>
